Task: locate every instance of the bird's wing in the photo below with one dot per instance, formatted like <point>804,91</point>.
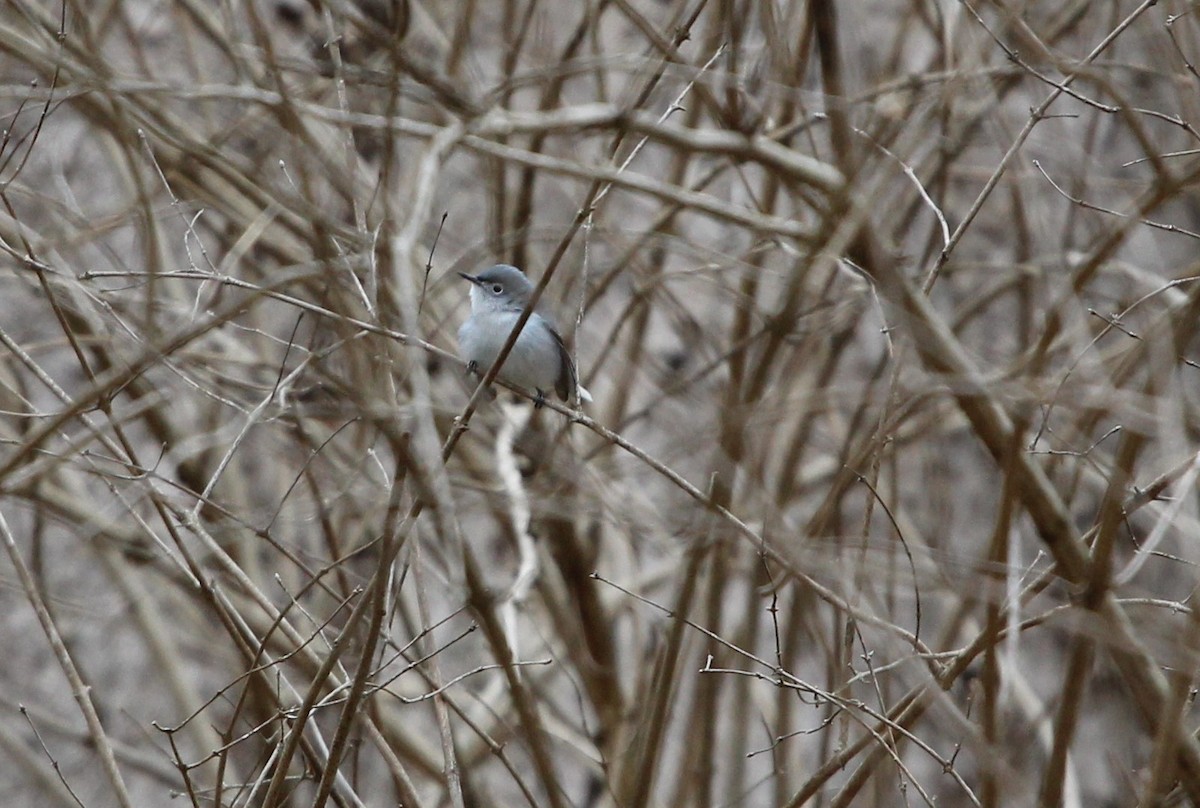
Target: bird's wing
<point>567,382</point>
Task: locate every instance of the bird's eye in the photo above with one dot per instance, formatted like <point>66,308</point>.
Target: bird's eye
<point>497,288</point>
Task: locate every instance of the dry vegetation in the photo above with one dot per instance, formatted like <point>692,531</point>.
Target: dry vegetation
<point>887,497</point>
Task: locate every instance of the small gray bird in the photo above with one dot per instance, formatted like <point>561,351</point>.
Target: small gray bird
<point>538,360</point>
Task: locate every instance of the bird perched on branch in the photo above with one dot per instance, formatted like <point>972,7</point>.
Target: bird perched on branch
<point>539,360</point>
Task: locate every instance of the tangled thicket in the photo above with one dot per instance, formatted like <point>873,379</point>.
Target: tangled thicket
<point>887,497</point>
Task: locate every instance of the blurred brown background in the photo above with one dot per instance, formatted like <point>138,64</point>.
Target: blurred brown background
<point>887,496</point>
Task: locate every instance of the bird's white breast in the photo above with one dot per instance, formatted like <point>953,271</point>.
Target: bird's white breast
<point>534,361</point>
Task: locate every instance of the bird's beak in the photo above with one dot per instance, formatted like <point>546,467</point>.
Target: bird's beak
<point>470,278</point>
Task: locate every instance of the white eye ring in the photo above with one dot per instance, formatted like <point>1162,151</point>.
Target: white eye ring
<point>497,288</point>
